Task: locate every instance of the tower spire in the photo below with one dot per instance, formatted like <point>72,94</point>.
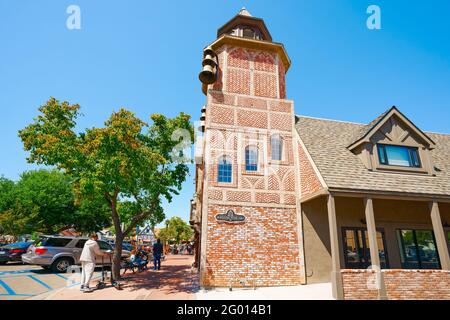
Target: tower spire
<point>244,12</point>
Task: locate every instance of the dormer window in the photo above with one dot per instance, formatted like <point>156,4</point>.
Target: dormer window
<point>402,156</point>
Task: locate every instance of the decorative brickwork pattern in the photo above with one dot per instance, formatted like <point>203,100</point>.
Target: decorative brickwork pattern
<point>252,119</point>
<point>239,196</point>
<point>266,197</point>
<point>253,103</point>
<point>215,194</point>
<point>280,106</point>
<point>309,182</point>
<point>282,122</point>
<point>264,61</point>
<point>222,115</point>
<point>238,81</point>
<point>265,85</point>
<point>239,58</point>
<point>218,97</point>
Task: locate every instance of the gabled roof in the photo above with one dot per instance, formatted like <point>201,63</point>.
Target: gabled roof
<point>327,141</point>
<point>366,132</point>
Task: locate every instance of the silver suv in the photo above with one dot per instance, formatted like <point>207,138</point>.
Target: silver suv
<point>58,253</point>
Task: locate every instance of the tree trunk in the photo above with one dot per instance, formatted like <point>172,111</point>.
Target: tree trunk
<point>117,257</point>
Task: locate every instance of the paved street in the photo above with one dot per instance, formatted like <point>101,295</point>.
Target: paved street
<point>174,281</point>
<point>18,281</point>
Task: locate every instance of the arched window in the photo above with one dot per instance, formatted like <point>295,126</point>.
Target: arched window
<point>224,169</point>
<point>276,147</point>
<point>251,158</point>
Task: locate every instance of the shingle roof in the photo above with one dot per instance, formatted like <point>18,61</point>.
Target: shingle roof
<point>327,141</point>
<point>364,130</point>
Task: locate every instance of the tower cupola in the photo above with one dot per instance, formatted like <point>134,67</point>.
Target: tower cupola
<point>244,25</point>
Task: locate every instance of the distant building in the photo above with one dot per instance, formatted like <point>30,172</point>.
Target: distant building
<point>286,200</point>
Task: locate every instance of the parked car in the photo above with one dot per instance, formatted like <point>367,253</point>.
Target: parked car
<point>13,251</point>
<point>58,253</point>
<point>125,245</point>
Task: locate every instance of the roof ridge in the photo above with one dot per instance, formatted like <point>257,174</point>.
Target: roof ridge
<point>359,123</point>
<point>326,119</point>
<point>441,133</point>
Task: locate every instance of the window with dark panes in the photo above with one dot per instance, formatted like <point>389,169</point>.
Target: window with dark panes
<point>276,147</point>
<point>224,170</point>
<point>55,242</point>
<point>251,158</point>
<point>80,243</point>
<point>103,245</point>
<point>418,249</point>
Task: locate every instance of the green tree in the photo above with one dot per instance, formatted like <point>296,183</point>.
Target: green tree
<point>43,201</point>
<point>129,163</point>
<point>176,229</point>
<point>6,193</point>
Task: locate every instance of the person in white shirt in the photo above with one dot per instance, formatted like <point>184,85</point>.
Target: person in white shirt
<point>90,251</point>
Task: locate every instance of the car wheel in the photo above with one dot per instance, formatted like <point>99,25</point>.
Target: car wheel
<point>61,265</point>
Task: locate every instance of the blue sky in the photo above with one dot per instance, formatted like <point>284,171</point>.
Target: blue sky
<point>146,56</point>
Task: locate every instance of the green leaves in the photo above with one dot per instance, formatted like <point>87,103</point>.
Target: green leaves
<point>176,230</point>
<point>44,201</point>
<point>127,162</point>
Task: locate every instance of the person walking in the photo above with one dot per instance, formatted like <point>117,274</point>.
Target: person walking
<point>90,251</point>
<point>157,251</point>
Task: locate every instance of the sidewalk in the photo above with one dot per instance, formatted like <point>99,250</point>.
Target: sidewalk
<point>175,281</point>
<point>317,291</point>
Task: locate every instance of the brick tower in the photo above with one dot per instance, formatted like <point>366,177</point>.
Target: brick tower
<point>245,210</point>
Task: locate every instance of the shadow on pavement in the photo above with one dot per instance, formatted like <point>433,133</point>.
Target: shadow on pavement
<point>171,279</point>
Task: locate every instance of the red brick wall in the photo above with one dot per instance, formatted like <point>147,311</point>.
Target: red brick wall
<point>251,72</point>
<point>262,251</point>
<point>359,284</point>
<point>309,182</point>
<point>243,109</point>
<point>417,284</point>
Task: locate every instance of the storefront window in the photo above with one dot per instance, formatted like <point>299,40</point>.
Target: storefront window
<point>357,248</point>
<point>418,249</point>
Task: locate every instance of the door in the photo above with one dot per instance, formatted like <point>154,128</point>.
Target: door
<point>357,248</point>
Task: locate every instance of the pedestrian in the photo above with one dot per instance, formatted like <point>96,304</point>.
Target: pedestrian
<point>90,251</point>
<point>157,251</point>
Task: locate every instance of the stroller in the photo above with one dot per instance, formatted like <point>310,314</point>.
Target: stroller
<point>102,283</point>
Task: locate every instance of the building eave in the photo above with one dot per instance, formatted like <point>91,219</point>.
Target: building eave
<point>254,44</point>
